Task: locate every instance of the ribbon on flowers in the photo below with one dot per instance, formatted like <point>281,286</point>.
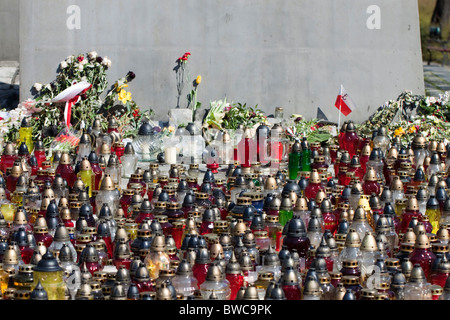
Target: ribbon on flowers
<point>71,96</point>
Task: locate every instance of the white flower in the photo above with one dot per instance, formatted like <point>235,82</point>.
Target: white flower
<point>92,55</point>
<point>15,115</point>
<point>48,86</point>
<point>63,64</point>
<point>37,86</point>
<point>106,62</point>
<point>5,116</point>
<point>79,66</point>
<point>70,59</point>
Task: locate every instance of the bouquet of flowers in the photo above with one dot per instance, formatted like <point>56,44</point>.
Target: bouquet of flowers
<point>216,113</point>
<point>229,116</point>
<point>65,141</point>
<point>127,114</point>
<point>48,116</point>
<point>410,114</point>
<point>313,130</point>
<point>225,116</point>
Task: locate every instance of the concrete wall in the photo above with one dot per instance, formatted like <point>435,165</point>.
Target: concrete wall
<point>9,30</point>
<point>293,54</point>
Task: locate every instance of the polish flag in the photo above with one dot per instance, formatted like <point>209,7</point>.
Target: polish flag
<point>344,103</point>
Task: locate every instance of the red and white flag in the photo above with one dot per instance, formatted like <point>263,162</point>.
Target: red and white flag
<point>71,96</point>
<point>344,103</point>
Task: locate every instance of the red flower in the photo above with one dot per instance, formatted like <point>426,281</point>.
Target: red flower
<point>185,56</point>
<point>136,113</point>
<point>1,119</point>
<point>80,58</point>
<point>313,128</point>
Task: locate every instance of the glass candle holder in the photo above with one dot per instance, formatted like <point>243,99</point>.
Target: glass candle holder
<point>50,275</point>
<point>8,210</point>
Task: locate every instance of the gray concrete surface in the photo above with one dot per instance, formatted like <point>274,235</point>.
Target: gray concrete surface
<point>9,30</point>
<point>293,54</point>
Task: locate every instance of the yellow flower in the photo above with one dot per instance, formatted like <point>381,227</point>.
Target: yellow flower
<point>118,88</point>
<point>412,129</point>
<point>124,96</point>
<point>399,132</point>
<point>198,80</point>
<point>171,129</point>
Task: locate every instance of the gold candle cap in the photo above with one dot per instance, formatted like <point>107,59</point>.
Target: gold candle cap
<point>65,158</point>
<point>315,177</point>
<point>369,243</point>
<point>270,183</point>
<point>443,233</point>
<point>107,183</point>
<point>409,237</point>
<point>422,241</point>
<point>352,240</point>
<point>85,165</point>
<point>371,175</point>
<point>412,204</point>
<point>16,169</point>
<point>301,204</point>
<point>65,213</point>
<point>366,150</point>
<point>9,149</point>
<point>396,184</point>
<point>20,217</point>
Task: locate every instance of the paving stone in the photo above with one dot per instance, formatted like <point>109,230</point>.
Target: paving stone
<point>5,80</point>
<point>7,72</point>
<point>436,79</point>
<point>9,64</point>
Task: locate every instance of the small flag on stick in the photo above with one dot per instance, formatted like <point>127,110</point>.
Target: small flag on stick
<point>344,103</point>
